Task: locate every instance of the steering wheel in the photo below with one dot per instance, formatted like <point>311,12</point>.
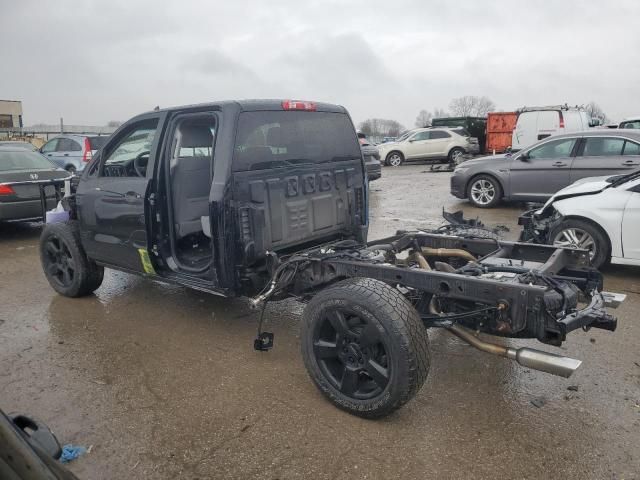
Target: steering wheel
<point>139,166</point>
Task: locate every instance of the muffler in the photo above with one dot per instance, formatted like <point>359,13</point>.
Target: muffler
<point>527,357</point>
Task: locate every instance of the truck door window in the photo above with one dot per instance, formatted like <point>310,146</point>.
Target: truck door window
<point>129,157</point>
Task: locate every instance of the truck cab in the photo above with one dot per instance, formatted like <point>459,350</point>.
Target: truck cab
<point>200,194</point>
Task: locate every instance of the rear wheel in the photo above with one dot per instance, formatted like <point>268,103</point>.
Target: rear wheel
<point>365,347</point>
<point>574,233</point>
<point>65,263</point>
<point>484,191</point>
<point>455,155</point>
<point>394,159</point>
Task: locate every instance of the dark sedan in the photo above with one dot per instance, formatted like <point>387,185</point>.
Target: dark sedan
<point>537,172</point>
<point>22,173</point>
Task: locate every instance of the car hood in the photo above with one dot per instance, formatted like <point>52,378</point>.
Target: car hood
<point>485,160</point>
<point>584,186</point>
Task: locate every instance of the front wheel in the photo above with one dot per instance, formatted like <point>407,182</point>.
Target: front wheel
<point>484,191</point>
<point>575,233</point>
<point>394,159</point>
<point>365,347</point>
<point>64,262</point>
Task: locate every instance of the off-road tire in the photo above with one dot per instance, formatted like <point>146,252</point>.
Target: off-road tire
<point>497,195</point>
<point>399,326</point>
<point>602,254</point>
<point>87,276</point>
<point>387,160</point>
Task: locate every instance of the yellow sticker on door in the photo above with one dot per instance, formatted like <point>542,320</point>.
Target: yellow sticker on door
<point>146,261</point>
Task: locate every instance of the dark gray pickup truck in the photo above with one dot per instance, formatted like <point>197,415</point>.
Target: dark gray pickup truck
<point>268,199</point>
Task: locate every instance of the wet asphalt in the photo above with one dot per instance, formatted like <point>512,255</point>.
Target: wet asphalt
<point>163,381</point>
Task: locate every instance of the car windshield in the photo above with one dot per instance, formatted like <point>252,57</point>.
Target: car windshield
<point>22,160</point>
<point>404,136</point>
<point>630,124</point>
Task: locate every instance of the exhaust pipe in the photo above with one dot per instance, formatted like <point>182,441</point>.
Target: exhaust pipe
<point>527,357</point>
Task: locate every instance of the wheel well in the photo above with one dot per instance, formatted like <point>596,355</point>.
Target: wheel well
<point>394,151</point>
<point>466,187</point>
<point>69,165</point>
<point>595,225</point>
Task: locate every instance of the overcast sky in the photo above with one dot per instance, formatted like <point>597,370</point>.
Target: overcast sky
<point>91,62</point>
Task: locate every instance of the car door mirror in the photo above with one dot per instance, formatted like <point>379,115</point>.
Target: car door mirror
<point>412,140</point>
<point>524,156</point>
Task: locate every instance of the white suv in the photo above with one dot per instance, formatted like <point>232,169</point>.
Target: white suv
<point>447,144</point>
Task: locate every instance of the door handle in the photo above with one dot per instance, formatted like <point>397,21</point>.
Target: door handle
<point>130,196</point>
<point>559,164</point>
<point>631,162</point>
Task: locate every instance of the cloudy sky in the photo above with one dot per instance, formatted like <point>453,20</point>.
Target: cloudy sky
<point>91,62</point>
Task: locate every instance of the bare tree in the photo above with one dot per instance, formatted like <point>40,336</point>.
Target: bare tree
<point>423,119</point>
<point>594,111</point>
<point>114,123</point>
<point>380,127</point>
<point>471,106</point>
<point>440,113</point>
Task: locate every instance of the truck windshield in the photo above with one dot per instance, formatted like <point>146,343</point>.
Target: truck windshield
<point>268,139</point>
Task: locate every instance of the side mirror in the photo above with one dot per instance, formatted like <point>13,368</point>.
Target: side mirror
<point>412,140</point>
<point>524,156</point>
<point>595,122</point>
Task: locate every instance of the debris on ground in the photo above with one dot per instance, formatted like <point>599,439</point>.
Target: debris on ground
<point>538,402</point>
<point>573,388</point>
<point>71,452</point>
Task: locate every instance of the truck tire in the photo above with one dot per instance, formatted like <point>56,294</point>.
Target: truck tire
<point>64,262</point>
<point>577,233</point>
<point>365,347</point>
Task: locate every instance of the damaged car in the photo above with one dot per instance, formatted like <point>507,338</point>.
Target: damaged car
<point>267,199</point>
<point>599,214</point>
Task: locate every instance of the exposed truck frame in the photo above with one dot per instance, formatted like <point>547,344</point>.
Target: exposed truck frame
<point>369,305</point>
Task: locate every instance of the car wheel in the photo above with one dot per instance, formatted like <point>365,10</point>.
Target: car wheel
<point>64,262</point>
<point>455,155</point>
<point>365,347</point>
<point>394,159</point>
<point>574,233</point>
<point>484,191</point>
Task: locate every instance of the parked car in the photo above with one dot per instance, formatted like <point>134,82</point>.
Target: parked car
<point>536,173</point>
<point>284,214</point>
<point>21,174</point>
<point>388,139</point>
<point>599,214</point>
<point>371,161</point>
<point>537,123</point>
<point>445,144</point>
<point>630,122</point>
<point>18,144</point>
<point>72,152</point>
<point>476,126</point>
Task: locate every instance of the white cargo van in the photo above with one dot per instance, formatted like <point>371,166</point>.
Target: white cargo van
<point>536,123</point>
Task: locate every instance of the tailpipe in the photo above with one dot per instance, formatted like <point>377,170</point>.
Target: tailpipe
<point>527,357</point>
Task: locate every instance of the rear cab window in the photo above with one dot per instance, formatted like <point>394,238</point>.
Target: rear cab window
<point>268,139</point>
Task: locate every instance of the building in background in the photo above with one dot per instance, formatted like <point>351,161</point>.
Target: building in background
<point>10,114</point>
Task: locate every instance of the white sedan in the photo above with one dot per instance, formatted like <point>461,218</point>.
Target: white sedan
<point>599,214</point>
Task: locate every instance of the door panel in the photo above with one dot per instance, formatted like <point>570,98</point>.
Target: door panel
<point>546,171</point>
<point>417,146</point>
<point>600,156</point>
<point>112,200</point>
<point>631,227</point>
